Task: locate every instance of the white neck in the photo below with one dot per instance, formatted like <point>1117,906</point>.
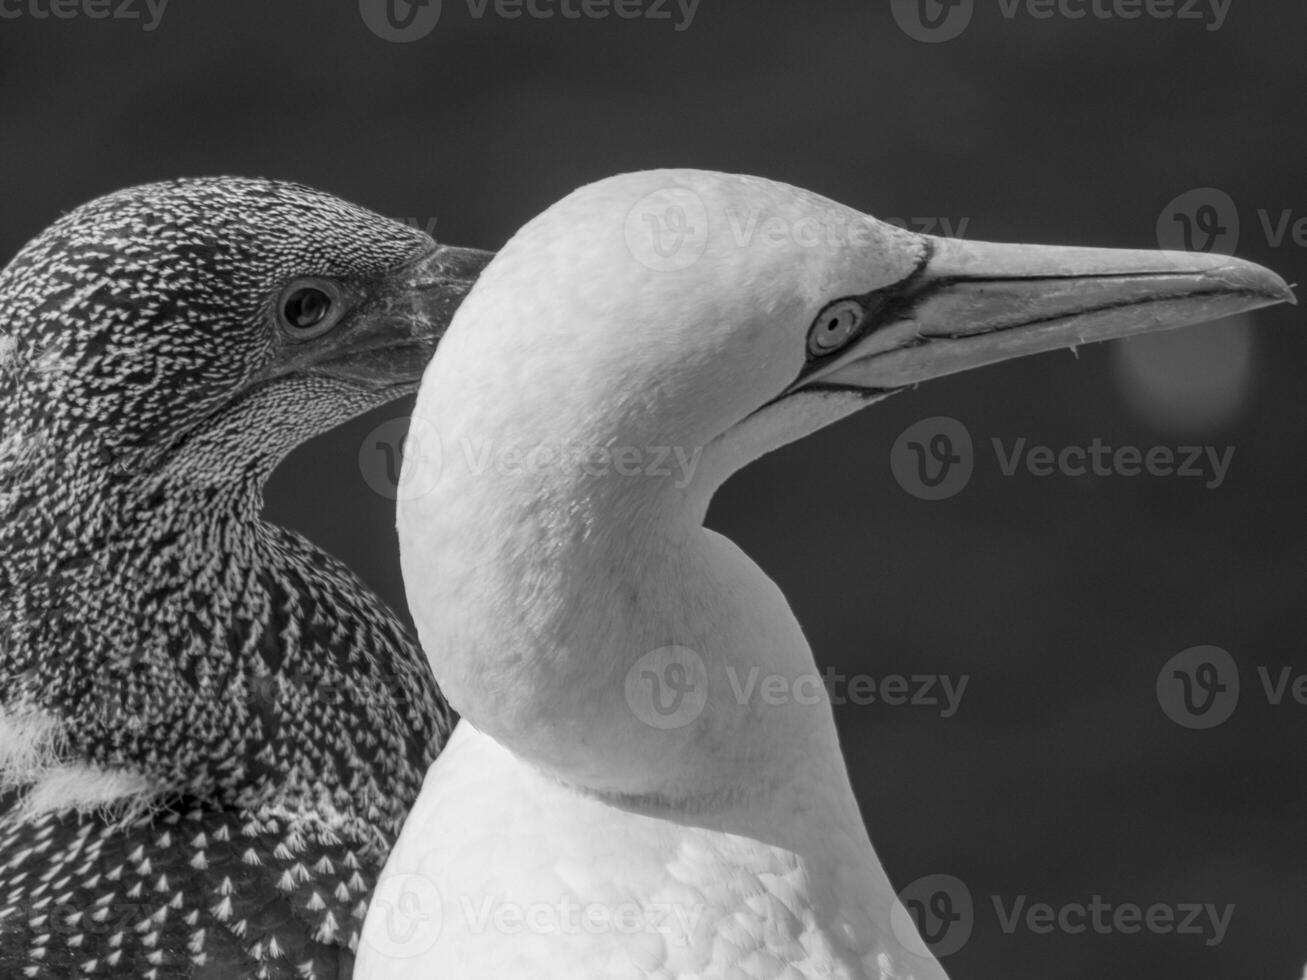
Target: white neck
<point>536,597</point>
<point>535,620</point>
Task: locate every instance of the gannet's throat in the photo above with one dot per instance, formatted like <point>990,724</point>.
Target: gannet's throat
<point>540,630</point>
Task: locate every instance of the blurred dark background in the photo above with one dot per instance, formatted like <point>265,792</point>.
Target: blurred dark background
<point>1060,777</point>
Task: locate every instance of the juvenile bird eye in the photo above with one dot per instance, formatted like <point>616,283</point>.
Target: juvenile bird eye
<point>834,327</point>
<point>309,309</point>
<point>306,307</point>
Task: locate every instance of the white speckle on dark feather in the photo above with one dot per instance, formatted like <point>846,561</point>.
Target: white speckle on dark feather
<point>164,652</point>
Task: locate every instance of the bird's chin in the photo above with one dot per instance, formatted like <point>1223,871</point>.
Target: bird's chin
<point>802,410</point>
<point>785,419</point>
<point>324,401</point>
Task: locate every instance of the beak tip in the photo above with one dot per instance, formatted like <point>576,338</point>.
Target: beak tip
<point>1248,277</point>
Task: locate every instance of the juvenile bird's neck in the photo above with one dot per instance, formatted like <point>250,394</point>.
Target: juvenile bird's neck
<point>163,628</point>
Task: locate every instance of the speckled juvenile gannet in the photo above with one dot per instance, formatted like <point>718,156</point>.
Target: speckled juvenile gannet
<point>210,729</point>
<point>613,806</point>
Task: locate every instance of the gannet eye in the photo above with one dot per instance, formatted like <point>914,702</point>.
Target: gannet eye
<point>309,308</point>
<point>834,326</point>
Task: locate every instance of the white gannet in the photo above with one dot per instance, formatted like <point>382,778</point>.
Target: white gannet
<point>613,804</point>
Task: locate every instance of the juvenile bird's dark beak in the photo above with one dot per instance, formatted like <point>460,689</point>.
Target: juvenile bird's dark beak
<point>969,304</point>
<point>388,340</point>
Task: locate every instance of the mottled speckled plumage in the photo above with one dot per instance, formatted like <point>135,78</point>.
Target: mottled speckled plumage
<point>269,716</point>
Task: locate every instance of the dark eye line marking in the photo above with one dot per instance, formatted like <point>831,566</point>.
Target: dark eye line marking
<point>880,306</point>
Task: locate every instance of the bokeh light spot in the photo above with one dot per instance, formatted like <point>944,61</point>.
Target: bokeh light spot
<point>1188,381</point>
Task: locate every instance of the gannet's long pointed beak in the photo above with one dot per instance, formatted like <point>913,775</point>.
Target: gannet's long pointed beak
<point>389,340</point>
<point>974,303</point>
